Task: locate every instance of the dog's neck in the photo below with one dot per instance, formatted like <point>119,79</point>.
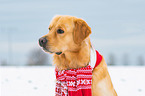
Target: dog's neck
<point>73,60</point>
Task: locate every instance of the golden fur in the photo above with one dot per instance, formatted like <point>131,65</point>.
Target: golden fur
<point>75,46</point>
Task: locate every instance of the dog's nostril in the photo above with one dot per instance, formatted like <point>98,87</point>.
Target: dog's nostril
<point>42,42</point>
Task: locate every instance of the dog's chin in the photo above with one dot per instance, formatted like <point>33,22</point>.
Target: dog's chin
<point>46,50</point>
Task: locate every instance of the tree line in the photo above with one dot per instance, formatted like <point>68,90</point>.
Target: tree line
<point>37,57</point>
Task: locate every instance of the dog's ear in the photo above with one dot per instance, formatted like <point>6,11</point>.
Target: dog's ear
<point>81,31</point>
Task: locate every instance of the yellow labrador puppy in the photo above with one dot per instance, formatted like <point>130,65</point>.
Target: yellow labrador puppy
<point>69,40</point>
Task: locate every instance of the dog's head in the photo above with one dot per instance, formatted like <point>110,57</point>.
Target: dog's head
<point>66,33</point>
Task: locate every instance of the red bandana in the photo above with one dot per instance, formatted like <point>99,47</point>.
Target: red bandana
<point>75,82</point>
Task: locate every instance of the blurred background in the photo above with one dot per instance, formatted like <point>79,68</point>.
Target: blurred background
<point>118,33</point>
<point>118,29</point>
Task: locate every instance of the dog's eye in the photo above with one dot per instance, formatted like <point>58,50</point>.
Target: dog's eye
<point>49,28</point>
<point>59,31</point>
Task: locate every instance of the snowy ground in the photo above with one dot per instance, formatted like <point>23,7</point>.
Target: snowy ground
<point>40,81</point>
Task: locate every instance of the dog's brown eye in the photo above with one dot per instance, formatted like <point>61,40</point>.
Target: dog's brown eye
<point>59,31</point>
<point>49,28</point>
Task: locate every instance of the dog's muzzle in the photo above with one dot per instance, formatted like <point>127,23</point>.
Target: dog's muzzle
<point>42,43</point>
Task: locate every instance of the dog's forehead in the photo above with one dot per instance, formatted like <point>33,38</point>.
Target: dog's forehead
<point>65,19</point>
<point>62,20</point>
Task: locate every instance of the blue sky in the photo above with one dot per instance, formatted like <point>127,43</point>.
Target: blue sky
<point>118,26</point>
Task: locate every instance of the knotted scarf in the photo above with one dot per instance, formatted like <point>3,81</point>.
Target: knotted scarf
<point>75,82</point>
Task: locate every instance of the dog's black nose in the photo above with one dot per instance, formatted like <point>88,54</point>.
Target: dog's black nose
<point>42,42</point>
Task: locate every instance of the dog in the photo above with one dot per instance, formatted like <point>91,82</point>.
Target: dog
<point>69,42</point>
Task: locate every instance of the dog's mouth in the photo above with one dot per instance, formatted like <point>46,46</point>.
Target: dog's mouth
<point>58,53</point>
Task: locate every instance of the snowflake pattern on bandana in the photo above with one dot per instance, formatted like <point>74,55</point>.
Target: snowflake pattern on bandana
<point>74,82</point>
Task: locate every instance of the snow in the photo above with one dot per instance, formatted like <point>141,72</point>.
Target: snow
<point>40,81</point>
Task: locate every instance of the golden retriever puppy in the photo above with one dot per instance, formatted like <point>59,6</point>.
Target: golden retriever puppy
<point>69,40</point>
